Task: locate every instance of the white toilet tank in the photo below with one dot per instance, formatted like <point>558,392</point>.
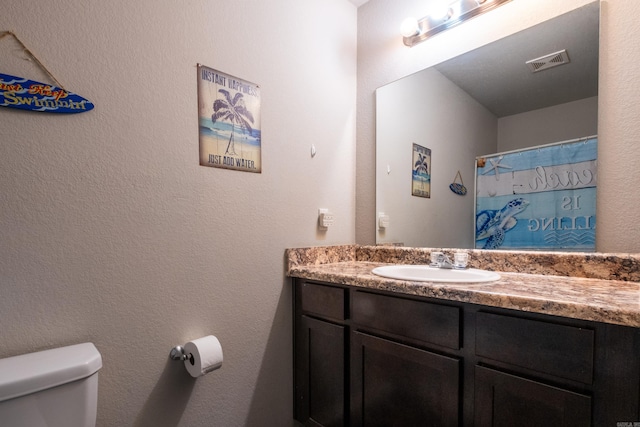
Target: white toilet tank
<point>51,388</point>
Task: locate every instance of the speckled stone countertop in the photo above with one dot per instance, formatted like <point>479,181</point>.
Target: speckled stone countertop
<point>597,287</point>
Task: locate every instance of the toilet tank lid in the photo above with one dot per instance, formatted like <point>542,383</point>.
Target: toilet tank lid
<point>33,372</point>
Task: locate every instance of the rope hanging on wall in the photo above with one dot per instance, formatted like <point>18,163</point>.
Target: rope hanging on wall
<point>31,56</point>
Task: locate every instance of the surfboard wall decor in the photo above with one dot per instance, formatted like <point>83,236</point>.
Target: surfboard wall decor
<point>24,94</point>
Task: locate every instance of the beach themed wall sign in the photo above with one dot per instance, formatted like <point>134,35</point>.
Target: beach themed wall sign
<point>31,95</point>
<point>458,187</point>
<point>25,94</point>
<point>421,175</point>
<point>229,121</point>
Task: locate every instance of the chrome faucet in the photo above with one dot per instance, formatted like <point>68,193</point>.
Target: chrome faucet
<point>442,261</point>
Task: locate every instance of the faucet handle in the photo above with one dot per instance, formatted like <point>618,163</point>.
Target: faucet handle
<point>460,259</point>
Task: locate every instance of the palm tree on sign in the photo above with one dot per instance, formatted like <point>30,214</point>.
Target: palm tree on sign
<point>234,111</point>
<point>421,166</point>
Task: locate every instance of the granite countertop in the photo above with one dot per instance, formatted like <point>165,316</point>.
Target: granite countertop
<point>590,290</point>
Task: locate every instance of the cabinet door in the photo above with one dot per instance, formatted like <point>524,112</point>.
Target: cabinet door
<point>320,373</point>
<point>397,385</point>
<point>506,400</point>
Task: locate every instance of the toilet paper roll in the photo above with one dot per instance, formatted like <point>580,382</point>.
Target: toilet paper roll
<point>203,355</point>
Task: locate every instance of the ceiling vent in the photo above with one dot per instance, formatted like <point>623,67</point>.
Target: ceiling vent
<point>549,61</point>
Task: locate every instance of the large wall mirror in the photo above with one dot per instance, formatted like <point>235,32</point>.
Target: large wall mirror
<point>482,102</point>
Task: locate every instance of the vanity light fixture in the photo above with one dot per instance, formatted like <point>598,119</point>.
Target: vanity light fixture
<point>446,15</point>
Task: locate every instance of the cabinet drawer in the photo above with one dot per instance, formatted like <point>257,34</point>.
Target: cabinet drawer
<point>559,350</point>
<point>327,301</point>
<point>431,323</point>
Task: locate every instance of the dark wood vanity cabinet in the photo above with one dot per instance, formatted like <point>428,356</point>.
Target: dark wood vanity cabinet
<point>507,400</point>
<point>395,378</point>
<point>393,384</point>
<point>369,358</point>
<point>320,344</point>
<point>559,352</point>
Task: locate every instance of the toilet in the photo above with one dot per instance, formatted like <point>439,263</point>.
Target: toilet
<point>51,388</point>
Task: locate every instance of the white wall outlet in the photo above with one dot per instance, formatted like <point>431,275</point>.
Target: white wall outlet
<point>383,221</point>
<point>325,219</point>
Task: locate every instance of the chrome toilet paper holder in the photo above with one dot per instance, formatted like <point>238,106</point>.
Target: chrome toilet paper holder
<point>177,353</point>
<point>200,356</point>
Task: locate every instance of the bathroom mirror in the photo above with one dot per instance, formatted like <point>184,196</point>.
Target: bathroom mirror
<point>485,101</point>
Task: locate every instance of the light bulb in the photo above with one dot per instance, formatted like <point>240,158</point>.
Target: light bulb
<point>409,27</point>
<point>440,10</point>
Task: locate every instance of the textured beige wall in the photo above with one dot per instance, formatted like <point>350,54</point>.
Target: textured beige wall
<point>111,232</point>
<point>383,58</point>
<point>618,200</point>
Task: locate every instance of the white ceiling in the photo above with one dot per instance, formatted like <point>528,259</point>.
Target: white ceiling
<point>358,2</point>
<point>497,77</point>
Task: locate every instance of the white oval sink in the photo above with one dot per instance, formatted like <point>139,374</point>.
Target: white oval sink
<point>424,273</point>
